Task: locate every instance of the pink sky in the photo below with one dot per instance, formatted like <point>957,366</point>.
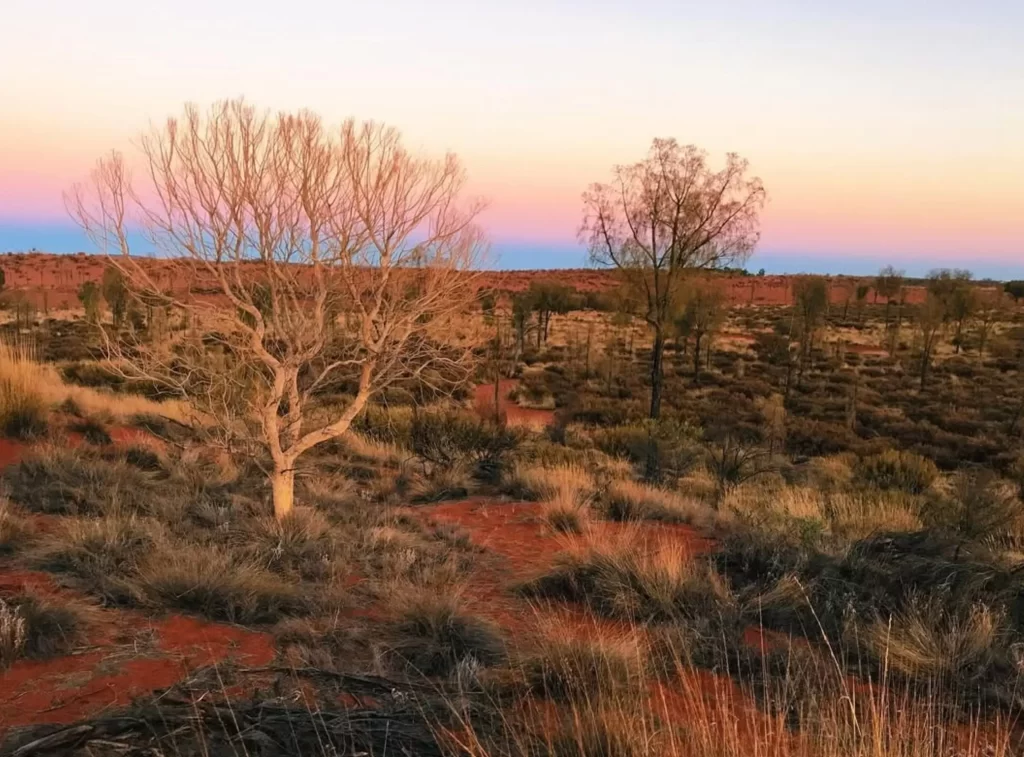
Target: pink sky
<point>896,130</point>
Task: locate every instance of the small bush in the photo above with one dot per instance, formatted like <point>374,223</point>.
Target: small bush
<point>632,501</point>
<point>435,638</point>
<point>896,469</point>
<point>215,586</point>
<point>452,439</point>
<point>101,556</point>
<point>627,579</point>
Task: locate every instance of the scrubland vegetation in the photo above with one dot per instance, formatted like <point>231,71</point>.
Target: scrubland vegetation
<point>809,541</point>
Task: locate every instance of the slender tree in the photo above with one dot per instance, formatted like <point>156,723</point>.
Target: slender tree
<point>703,311</point>
<point>952,289</point>
<point>889,284</point>
<point>930,321</point>
<point>665,217</point>
<point>339,223</point>
<point>810,298</point>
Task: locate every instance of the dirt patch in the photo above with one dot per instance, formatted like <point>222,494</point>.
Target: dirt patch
<point>127,655</point>
<point>516,416</point>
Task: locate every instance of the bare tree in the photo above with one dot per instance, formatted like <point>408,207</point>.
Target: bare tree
<point>310,256</point>
<point>664,217</point>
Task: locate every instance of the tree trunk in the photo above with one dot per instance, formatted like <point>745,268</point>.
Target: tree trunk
<point>925,359</point>
<point>283,483</point>
<point>657,372</point>
<point>696,357</point>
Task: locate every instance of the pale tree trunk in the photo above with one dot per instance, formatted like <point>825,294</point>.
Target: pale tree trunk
<point>283,484</point>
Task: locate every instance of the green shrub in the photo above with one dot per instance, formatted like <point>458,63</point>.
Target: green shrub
<point>664,450</point>
<point>452,439</point>
<point>897,469</point>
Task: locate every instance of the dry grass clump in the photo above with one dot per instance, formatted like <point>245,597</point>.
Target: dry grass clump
<point>15,532</point>
<point>28,389</point>
<point>634,501</point>
<point>897,469</point>
<point>12,633</point>
<point>23,403</point>
<point>302,544</point>
<point>544,483</point>
<point>565,491</point>
<point>567,664</point>
<point>436,485</point>
<point>217,586</point>
<point>625,577</point>
<point>435,637</point>
<point>59,481</point>
<point>858,515</point>
<point>36,628</point>
<point>100,556</point>
<point>924,641</point>
<point>379,451</point>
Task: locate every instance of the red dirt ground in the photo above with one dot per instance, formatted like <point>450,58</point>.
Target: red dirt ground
<point>128,655</point>
<point>52,281</point>
<point>483,400</point>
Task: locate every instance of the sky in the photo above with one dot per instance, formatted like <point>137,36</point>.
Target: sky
<point>885,131</point>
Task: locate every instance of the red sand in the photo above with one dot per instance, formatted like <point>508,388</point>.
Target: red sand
<point>514,415</point>
<point>119,664</point>
<point>52,281</point>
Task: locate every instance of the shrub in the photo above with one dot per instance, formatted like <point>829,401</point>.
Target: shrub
<point>101,556</point>
<point>625,578</point>
<point>218,587</point>
<point>896,469</point>
<point>61,481</point>
<point>632,501</point>
<point>664,450</point>
<point>435,638</point>
<point>450,439</point>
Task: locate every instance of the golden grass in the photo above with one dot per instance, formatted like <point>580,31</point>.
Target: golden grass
<point>693,713</point>
<point>631,500</point>
<point>624,575</point>
<point>383,453</point>
<point>852,515</point>
<point>565,493</point>
<point>25,382</point>
<point>920,642</point>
